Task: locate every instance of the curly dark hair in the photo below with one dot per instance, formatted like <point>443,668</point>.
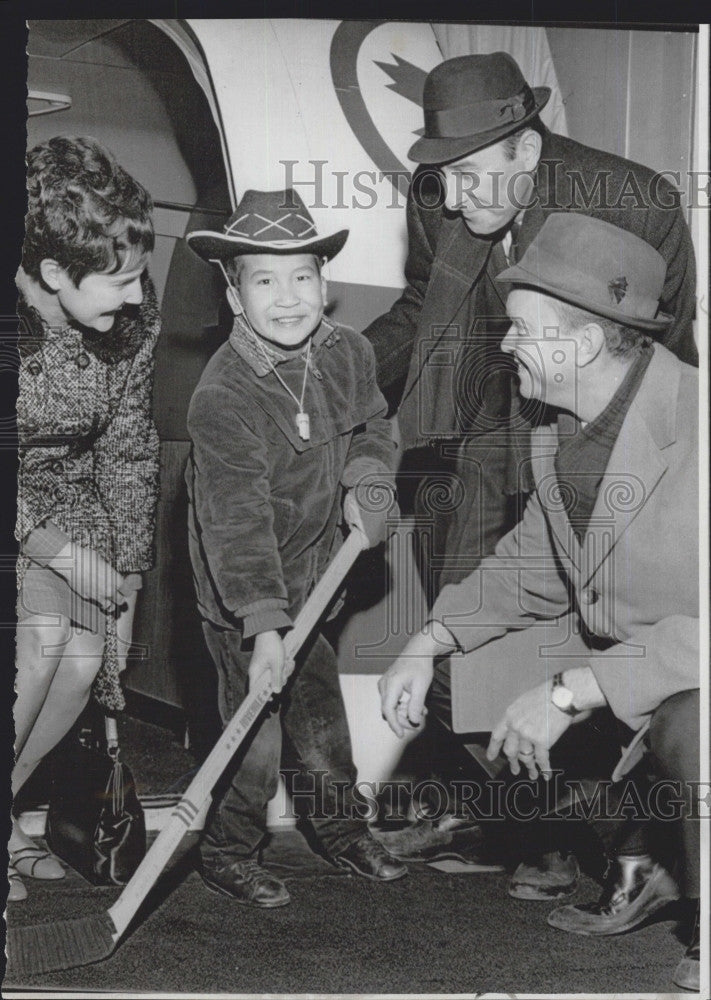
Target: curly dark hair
<point>84,210</point>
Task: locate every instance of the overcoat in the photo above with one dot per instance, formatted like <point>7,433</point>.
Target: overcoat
<point>88,446</point>
<point>633,582</point>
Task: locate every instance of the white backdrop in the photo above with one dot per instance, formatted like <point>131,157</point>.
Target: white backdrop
<point>528,46</point>
<point>341,102</point>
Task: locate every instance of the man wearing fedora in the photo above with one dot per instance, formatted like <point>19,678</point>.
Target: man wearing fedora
<point>490,175</point>
<point>621,454</point>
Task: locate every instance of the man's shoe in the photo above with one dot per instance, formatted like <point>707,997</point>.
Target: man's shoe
<point>368,858</point>
<point>447,838</point>
<point>688,972</point>
<point>552,876</point>
<point>636,888</point>
<point>247,882</point>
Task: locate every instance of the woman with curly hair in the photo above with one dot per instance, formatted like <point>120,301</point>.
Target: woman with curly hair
<point>88,449</point>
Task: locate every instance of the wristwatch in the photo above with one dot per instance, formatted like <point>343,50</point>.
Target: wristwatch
<point>562,696</point>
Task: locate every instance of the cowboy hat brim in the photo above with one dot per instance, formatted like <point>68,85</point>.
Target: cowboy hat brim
<point>442,150</point>
<point>520,276</point>
<point>211,245</point>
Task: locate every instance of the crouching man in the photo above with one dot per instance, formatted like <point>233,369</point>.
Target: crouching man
<point>610,535</point>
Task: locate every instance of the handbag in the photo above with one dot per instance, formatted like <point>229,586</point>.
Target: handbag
<point>95,821</point>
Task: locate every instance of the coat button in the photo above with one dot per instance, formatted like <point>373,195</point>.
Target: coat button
<point>82,360</point>
<point>34,367</point>
<point>57,467</point>
<point>588,595</point>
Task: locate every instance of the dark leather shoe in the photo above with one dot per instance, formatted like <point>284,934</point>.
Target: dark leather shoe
<point>444,839</point>
<point>688,972</point>
<point>636,888</point>
<point>247,882</point>
<point>551,876</point>
<point>368,858</point>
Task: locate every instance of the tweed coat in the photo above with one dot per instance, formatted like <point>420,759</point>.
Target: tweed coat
<point>633,582</point>
<point>88,447</point>
<point>420,339</point>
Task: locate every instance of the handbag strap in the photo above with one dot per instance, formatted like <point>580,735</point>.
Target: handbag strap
<point>112,740</point>
<point>116,783</point>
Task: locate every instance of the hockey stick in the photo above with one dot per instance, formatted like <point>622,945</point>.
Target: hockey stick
<point>65,944</point>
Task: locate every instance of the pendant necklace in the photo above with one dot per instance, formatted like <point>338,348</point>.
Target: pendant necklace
<point>303,424</point>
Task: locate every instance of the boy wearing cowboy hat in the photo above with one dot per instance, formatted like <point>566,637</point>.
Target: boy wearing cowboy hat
<point>593,543</point>
<point>286,418</point>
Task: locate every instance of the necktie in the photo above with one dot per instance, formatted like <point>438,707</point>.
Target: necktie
<point>513,252</point>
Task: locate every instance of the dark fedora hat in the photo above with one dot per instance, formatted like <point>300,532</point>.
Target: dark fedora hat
<point>266,222</point>
<point>471,102</point>
<point>592,264</point>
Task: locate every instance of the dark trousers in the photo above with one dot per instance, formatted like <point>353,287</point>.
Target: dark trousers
<point>673,742</point>
<point>311,711</point>
<point>465,494</point>
<point>670,828</point>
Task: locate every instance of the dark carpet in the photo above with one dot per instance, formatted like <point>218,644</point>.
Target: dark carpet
<point>429,933</point>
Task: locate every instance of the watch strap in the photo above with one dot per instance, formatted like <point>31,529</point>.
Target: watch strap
<point>558,682</point>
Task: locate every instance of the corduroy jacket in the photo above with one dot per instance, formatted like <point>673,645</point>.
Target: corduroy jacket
<point>264,505</point>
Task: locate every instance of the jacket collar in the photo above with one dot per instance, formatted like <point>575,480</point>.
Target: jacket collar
<point>462,252</point>
<point>244,342</point>
<point>33,326</point>
<point>636,465</point>
<point>122,341</point>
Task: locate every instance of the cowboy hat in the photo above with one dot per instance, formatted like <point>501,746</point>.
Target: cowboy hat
<point>275,222</point>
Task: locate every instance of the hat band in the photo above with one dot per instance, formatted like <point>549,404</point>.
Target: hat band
<point>263,228</point>
<point>465,120</point>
